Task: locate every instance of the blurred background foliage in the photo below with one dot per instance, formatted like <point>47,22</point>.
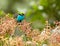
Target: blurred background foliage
<point>36,11</point>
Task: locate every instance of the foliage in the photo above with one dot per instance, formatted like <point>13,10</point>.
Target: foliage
<point>22,34</point>
<point>33,31</point>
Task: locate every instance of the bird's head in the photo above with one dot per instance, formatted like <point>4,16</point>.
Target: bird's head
<point>22,14</point>
<point>19,14</point>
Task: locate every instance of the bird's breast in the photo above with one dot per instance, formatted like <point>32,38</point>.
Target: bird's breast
<point>20,18</point>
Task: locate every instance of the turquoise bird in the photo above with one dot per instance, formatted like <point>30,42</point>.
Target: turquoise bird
<point>20,17</point>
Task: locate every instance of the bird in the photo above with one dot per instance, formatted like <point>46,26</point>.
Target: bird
<point>20,17</point>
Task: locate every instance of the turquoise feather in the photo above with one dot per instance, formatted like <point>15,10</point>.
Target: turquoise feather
<point>20,18</point>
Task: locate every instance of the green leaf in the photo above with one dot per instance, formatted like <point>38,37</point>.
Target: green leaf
<point>44,2</point>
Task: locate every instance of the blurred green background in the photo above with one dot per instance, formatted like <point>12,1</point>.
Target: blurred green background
<point>36,11</point>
